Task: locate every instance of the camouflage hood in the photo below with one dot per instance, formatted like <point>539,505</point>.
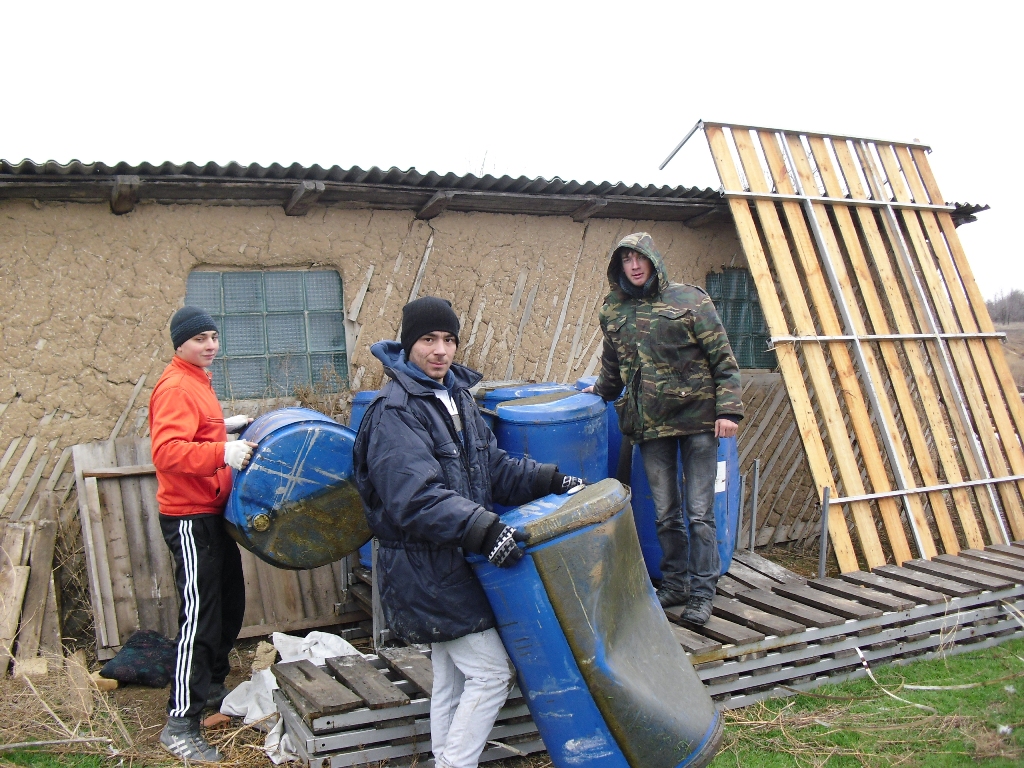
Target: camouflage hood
<point>642,243</point>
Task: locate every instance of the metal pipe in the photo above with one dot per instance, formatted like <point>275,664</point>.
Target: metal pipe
<point>836,200</point>
<point>686,138</point>
<point>833,136</point>
<point>739,516</point>
<point>929,489</point>
<point>753,502</point>
<point>1001,335</point>
<point>900,246</point>
<point>823,541</point>
<point>885,430</point>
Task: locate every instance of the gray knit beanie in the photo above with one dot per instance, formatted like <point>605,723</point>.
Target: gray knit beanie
<point>188,322</point>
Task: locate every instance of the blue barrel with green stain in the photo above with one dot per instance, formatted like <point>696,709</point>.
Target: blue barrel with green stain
<point>605,679</point>
<point>295,504</point>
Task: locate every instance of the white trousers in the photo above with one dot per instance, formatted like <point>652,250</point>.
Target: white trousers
<point>472,679</point>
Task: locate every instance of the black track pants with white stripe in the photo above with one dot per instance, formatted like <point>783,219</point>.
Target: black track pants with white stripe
<point>208,575</point>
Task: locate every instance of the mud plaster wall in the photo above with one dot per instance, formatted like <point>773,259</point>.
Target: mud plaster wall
<point>88,296</point>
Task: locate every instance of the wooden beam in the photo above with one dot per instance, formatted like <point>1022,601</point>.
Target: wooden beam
<point>436,205</point>
<point>305,195</point>
<point>588,209</point>
<point>124,194</point>
<point>698,221</point>
<point>131,471</point>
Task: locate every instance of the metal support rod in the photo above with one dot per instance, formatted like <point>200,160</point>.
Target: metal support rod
<point>885,429</point>
<point>903,251</point>
<point>1001,335</point>
<point>929,489</point>
<point>739,516</point>
<point>833,136</point>
<point>686,138</point>
<point>834,200</point>
<point>753,502</point>
<point>823,541</point>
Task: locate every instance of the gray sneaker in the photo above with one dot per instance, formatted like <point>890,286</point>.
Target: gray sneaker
<point>181,737</point>
<point>698,610</point>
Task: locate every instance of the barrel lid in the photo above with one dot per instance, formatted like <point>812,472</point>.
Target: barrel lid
<point>554,516</point>
<point>269,422</point>
<point>545,409</point>
<point>502,394</point>
<point>585,381</point>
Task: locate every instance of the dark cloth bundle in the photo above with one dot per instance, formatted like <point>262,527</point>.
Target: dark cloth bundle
<point>146,658</point>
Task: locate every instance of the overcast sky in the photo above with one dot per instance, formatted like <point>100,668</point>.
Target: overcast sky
<point>582,90</point>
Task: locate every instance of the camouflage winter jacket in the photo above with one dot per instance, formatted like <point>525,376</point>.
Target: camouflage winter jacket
<point>666,351</point>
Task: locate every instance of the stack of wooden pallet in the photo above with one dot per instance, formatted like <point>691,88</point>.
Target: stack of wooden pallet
<point>359,710</point>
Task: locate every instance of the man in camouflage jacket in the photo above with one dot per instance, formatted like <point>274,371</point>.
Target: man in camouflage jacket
<point>667,353</point>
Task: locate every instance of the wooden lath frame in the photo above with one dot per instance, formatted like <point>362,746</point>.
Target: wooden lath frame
<point>903,399</point>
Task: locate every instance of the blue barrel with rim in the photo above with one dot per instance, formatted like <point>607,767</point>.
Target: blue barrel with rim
<point>488,396</point>
<point>604,677</point>
<point>360,402</point>
<point>614,435</point>
<point>295,505</point>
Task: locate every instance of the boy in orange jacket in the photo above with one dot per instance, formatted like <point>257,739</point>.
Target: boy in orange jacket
<point>193,460</point>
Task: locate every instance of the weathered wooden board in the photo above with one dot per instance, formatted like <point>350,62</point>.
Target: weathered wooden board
<point>865,595</point>
<point>895,587</point>
<point>366,680</point>
<point>927,581</point>
<point>412,665</point>
<point>807,615</point>
<point>956,573</point>
<point>323,694</point>
<point>827,602</point>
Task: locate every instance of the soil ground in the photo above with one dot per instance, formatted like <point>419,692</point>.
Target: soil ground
<point>1014,350</point>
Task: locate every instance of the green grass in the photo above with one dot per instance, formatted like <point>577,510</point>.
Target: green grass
<point>858,724</point>
<point>34,758</point>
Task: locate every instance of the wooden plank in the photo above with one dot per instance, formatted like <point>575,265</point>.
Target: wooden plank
<point>728,586</point>
<point>40,578</point>
<point>149,601</point>
<point>717,628</point>
<point>958,573</point>
<point>97,552</point>
<point>18,473</point>
<point>847,382</point>
<point>828,602</point>
<point>755,618</point>
<point>119,561</point>
<point>692,642</point>
<point>161,566</point>
<point>322,693</point>
<point>128,408</point>
<point>411,665</point>
<point>792,375</point>
<point>50,641</point>
<point>930,402</point>
<point>791,609</point>
<point>115,472</point>
<point>1003,561</point>
<point>927,581</point>
<point>767,567</point>
<point>862,594</point>
<point>30,487</point>
<point>746,575</point>
<point>899,588</point>
<point>897,376</point>
<point>13,583</point>
<point>1009,574</point>
<point>367,681</point>
<point>967,356</point>
<point>1006,549</point>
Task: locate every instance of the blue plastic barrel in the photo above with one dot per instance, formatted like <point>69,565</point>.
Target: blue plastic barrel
<point>727,506</point>
<point>488,399</point>
<point>360,402</point>
<point>567,429</point>
<point>295,504</point>
<point>614,435</point>
<point>603,676</point>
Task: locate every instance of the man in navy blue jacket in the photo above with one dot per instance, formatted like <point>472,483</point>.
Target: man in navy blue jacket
<point>429,470</point>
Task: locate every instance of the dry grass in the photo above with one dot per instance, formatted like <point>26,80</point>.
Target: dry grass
<point>1014,350</point>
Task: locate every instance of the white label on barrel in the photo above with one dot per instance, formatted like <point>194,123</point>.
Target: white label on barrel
<point>720,478</point>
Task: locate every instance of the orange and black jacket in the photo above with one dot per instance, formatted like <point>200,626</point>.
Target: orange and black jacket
<point>186,425</point>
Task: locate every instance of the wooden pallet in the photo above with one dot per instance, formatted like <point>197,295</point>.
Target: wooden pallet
<point>837,249</point>
<point>771,633</point>
<point>131,577</point>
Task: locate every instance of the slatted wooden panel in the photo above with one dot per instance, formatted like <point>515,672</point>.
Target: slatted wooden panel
<point>131,577</point>
<point>824,268</point>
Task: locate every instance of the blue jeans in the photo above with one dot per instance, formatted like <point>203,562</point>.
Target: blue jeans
<point>689,544</point>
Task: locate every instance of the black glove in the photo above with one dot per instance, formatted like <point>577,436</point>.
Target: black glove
<point>564,483</point>
<point>500,544</point>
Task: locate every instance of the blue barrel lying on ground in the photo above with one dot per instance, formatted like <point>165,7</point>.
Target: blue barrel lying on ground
<point>614,435</point>
<point>567,428</point>
<point>727,506</point>
<point>360,402</point>
<point>295,505</point>
<point>605,679</point>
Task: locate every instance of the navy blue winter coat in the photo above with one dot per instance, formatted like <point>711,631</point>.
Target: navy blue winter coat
<point>428,497</point>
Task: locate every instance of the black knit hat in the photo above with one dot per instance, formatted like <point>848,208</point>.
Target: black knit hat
<point>426,315</point>
<point>188,322</point>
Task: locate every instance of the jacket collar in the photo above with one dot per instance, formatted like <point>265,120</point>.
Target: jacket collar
<point>194,371</point>
<point>412,379</point>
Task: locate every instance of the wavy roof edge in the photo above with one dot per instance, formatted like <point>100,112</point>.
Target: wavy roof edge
<point>391,177</point>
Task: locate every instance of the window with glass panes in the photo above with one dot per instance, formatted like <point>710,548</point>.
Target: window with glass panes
<point>735,298</point>
<point>278,330</point>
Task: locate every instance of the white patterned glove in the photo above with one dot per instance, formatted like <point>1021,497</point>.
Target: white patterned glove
<point>237,453</point>
<point>236,424</point>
